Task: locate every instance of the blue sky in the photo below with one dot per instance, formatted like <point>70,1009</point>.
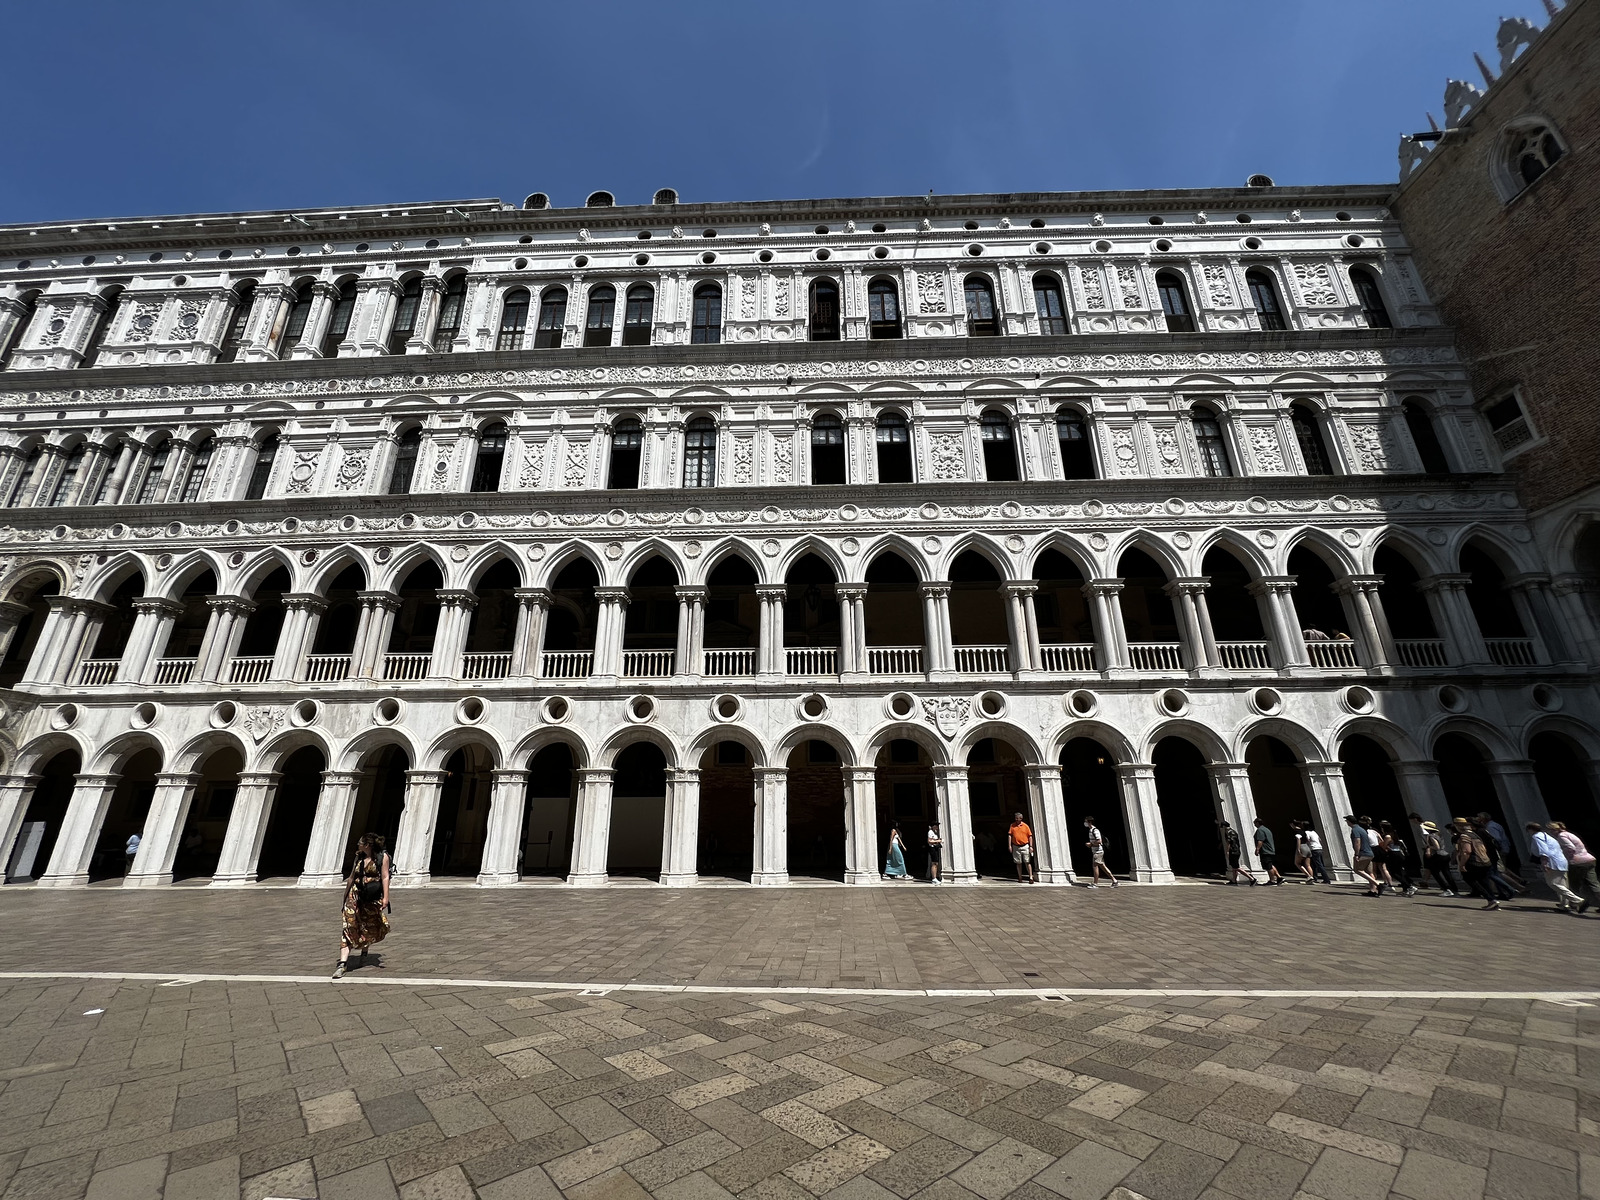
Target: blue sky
<point>123,109</point>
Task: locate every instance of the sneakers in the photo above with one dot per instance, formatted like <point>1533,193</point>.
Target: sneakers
<point>1094,887</point>
<point>338,971</point>
<point>1411,891</point>
<point>1114,883</point>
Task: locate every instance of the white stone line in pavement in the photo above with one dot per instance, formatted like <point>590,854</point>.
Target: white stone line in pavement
<point>170,979</point>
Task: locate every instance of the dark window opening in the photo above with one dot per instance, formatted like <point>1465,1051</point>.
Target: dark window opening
<point>198,465</point>
<point>827,449</point>
<point>700,453</point>
<point>552,320</point>
<point>1047,299</point>
<point>894,449</point>
<point>627,443</point>
<point>491,456</point>
<point>1426,438</point>
<point>640,313</point>
<point>513,320</point>
<point>405,461</point>
<point>824,311</point>
<point>261,473</point>
<point>8,348</point>
<point>707,325</point>
<point>452,307</point>
<point>112,300</point>
<point>1213,448</point>
<point>1373,310</point>
<point>1175,302</point>
<point>999,447</point>
<point>1308,433</point>
<point>983,319</point>
<point>883,308</point>
<point>1269,313</point>
<point>295,327</point>
<point>405,315</point>
<point>238,319</point>
<point>1077,454</point>
<point>344,308</point>
<point>602,315</point>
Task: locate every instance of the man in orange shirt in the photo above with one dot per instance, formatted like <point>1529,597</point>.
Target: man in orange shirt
<point>1020,838</point>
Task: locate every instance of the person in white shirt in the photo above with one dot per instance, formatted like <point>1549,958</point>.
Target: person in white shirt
<point>1097,852</point>
<point>935,852</point>
<point>1311,846</point>
<point>131,852</point>
<point>1548,857</point>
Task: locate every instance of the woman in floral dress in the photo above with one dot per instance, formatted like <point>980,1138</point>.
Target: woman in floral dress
<point>366,899</point>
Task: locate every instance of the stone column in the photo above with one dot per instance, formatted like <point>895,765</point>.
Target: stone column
<point>1520,798</point>
<point>1202,655</point>
<point>852,627</point>
<point>937,656</point>
<point>127,455</point>
<point>223,631</point>
<point>591,833</point>
<point>36,492</point>
<point>1022,627</point>
<point>771,856</point>
<point>69,626</point>
<point>163,829</point>
<point>1330,804</point>
<point>450,638</point>
<point>770,656</point>
<point>12,313</point>
<point>955,816</point>
<point>861,825</point>
<point>413,842</point>
<point>1453,614</point>
<point>1366,605</point>
<point>1111,635</point>
<point>689,658</point>
<point>533,604</point>
<point>16,791</point>
<point>152,625</point>
<point>1147,838</point>
<point>1423,790</point>
<point>330,829</point>
<point>1570,592</point>
<point>428,317</point>
<point>609,629</point>
<point>508,800</point>
<point>301,614</point>
<point>1533,595</point>
<point>1049,809</point>
<point>323,297</point>
<point>80,829</point>
<point>247,829</point>
<point>680,832</point>
<point>1287,639</point>
<point>1237,804</point>
<point>374,627</point>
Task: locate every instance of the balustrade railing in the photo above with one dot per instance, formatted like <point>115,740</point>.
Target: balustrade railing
<point>1420,652</point>
<point>1068,658</point>
<point>983,660</point>
<point>1155,656</point>
<point>730,662</point>
<point>647,664</point>
<point>403,667</point>
<point>1511,652</point>
<point>1244,656</point>
<point>175,670</point>
<point>1334,656</point>
<point>253,669</point>
<point>327,668</point>
<point>894,660</point>
<point>566,664</point>
<point>486,664</point>
<point>96,672</point>
<point>812,660</point>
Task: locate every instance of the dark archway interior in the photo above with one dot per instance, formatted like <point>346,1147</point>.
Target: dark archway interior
<point>996,790</point>
<point>573,607</point>
<point>977,609</point>
<point>1089,788</point>
<point>1059,605</point>
<point>47,809</point>
<point>548,818</point>
<point>1235,613</point>
<point>892,608</point>
<point>1562,770</point>
<point>189,630</point>
<point>211,807</point>
<point>380,800</point>
<point>463,813</point>
<point>126,814</point>
<point>35,594</point>
<point>727,812</point>
<point>733,613</point>
<point>816,812</point>
<point>264,626</point>
<point>494,620</point>
<point>1374,791</point>
<point>811,608</point>
<point>1491,603</point>
<point>417,621</point>
<point>638,812</point>
<point>652,618</point>
<point>1188,809</point>
<point>1314,601</point>
<point>1468,787</point>
<point>294,808</point>
<point>118,623</point>
<point>906,797</point>
<point>1279,791</point>
<point>1404,605</point>
<point>1146,608</point>
<point>336,631</point>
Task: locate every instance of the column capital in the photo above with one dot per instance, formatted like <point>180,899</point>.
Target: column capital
<point>1219,769</point>
<point>180,777</point>
<point>96,780</point>
<point>12,612</point>
<point>683,774</point>
<point>380,599</point>
<point>611,595</point>
<point>596,774</point>
<point>772,591</point>
<point>344,778</point>
<point>1330,767</point>
<point>304,601</point>
<point>1271,585</point>
<point>259,778</point>
<point>1424,766</point>
<point>157,604</point>
<point>241,606</point>
<point>950,770</point>
<point>1020,587</point>
<point>1529,580</point>
<point>1134,770</point>
<point>457,598</point>
<point>858,774</point>
<point>326,289</point>
<point>511,775</point>
<point>426,776</point>
<point>769,772</point>
<point>533,596</point>
<point>849,591</point>
<point>690,591</point>
<point>936,590</point>
<point>1444,580</point>
<point>1509,766</point>
<point>1350,584</point>
<point>1188,585</point>
<point>1041,770</point>
<point>1103,587</point>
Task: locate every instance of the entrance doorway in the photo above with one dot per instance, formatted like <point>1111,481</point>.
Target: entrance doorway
<point>126,815</point>
<point>905,797</point>
<point>1090,789</point>
<point>205,826</point>
<point>638,812</point>
<point>816,812</point>
<point>1188,809</point>
<point>463,823</point>
<point>294,809</point>
<point>996,791</point>
<point>41,824</point>
<point>380,800</point>
<point>727,812</point>
<point>547,818</point>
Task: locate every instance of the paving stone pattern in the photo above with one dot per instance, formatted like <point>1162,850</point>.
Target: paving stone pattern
<point>906,935</point>
<point>217,1091</point>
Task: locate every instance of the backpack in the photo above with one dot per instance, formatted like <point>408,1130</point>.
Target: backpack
<point>1479,852</point>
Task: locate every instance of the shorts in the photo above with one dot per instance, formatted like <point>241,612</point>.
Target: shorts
<point>1233,861</point>
<point>1021,854</point>
<point>1363,864</point>
<point>1099,856</point>
<point>933,854</point>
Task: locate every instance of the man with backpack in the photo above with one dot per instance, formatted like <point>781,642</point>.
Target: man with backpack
<point>1097,852</point>
<point>1472,855</point>
<point>1231,848</point>
<point>1549,858</point>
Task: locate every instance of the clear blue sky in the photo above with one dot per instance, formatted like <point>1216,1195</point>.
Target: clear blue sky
<point>123,109</point>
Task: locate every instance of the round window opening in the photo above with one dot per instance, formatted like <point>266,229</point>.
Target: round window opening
<point>992,704</point>
<point>901,705</point>
<point>1452,699</point>
<point>726,707</point>
<point>223,714</point>
<point>144,715</point>
<point>1174,702</point>
<point>386,711</point>
<point>470,711</point>
<point>1266,701</point>
<point>1082,704</point>
<point>1546,697</point>
<point>557,709</point>
<point>814,707</point>
<point>1358,699</point>
<point>641,708</point>
<point>305,712</point>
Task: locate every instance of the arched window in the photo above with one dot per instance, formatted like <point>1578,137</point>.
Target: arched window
<point>982,318</point>
<point>1308,432</point>
<point>640,312</point>
<point>894,448</point>
<point>1077,454</point>
<point>1047,299</point>
<point>1175,302</point>
<point>700,453</point>
<point>25,476</point>
<point>602,316</point>
<point>8,348</point>
<point>238,320</point>
<point>405,315</point>
<point>552,319</point>
<point>112,299</point>
<point>198,466</point>
<point>627,445</point>
<point>1420,422</point>
<point>294,327</point>
<point>827,449</point>
<point>491,457</point>
<point>824,311</point>
<point>1530,152</point>
<point>1269,313</point>
<point>452,308</point>
<point>1373,311</point>
<point>261,473</point>
<point>405,461</point>
<point>344,307</point>
<point>513,320</point>
<point>153,489</point>
<point>883,308</point>
<point>707,328</point>
<point>1209,441</point>
<point>999,448</point>
<point>68,477</point>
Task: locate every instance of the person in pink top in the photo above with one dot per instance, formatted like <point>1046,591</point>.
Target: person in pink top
<point>1581,875</point>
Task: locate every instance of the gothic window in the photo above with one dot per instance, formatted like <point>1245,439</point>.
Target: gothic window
<point>700,453</point>
<point>982,318</point>
<point>894,448</point>
<point>1047,299</point>
<point>999,447</point>
<point>261,473</point>
<point>491,456</point>
<point>1527,152</point>
<point>883,308</point>
<point>153,489</point>
<point>707,328</point>
<point>640,312</point>
<point>827,449</point>
<point>25,476</point>
<point>824,311</point>
<point>112,299</point>
<point>1077,454</point>
<point>513,320</point>
<point>198,465</point>
<point>1426,438</point>
<point>405,315</point>
<point>1175,302</point>
<point>238,319</point>
<point>1209,441</point>
<point>69,476</point>
<point>30,305</point>
<point>344,307</point>
<point>552,319</point>
<point>1269,313</point>
<point>627,444</point>
<point>1308,433</point>
<point>1373,310</point>
<point>602,316</point>
<point>452,307</point>
<point>295,327</point>
<point>405,461</point>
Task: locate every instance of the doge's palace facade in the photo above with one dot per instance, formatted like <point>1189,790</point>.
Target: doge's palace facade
<point>683,542</point>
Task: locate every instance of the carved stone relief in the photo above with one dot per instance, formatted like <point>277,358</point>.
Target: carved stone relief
<point>949,461</point>
<point>1094,294</point>
<point>1266,449</point>
<point>1315,282</point>
<point>930,292</point>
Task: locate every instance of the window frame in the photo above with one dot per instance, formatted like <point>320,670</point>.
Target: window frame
<point>154,482</point>
<point>1076,416</point>
<point>302,297</point>
<point>447,295</point>
<point>194,479</point>
<point>112,297</point>
<point>409,438</point>
<point>1509,449</point>
<point>816,331</point>
<point>1185,315</point>
<point>700,454</point>
<point>233,337</point>
<point>1505,163</point>
<point>637,332</point>
<point>1415,410</point>
<point>261,468</point>
<point>891,419</point>
<point>829,422</point>
<point>991,420</point>
<point>410,293</point>
<point>1308,422</point>
<point>1257,279</point>
<point>340,316</point>
<point>1200,410</point>
<point>881,328</point>
<point>1363,271</point>
<point>703,332</point>
<point>484,478</point>
<point>981,326</point>
<point>553,300</point>
<point>30,305</point>
<point>1053,286</point>
<point>596,302</point>
<point>634,453</point>
<point>67,477</point>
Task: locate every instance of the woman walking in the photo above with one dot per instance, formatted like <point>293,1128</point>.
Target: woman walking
<point>895,867</point>
<point>1436,859</point>
<point>1395,857</point>
<point>366,896</point>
